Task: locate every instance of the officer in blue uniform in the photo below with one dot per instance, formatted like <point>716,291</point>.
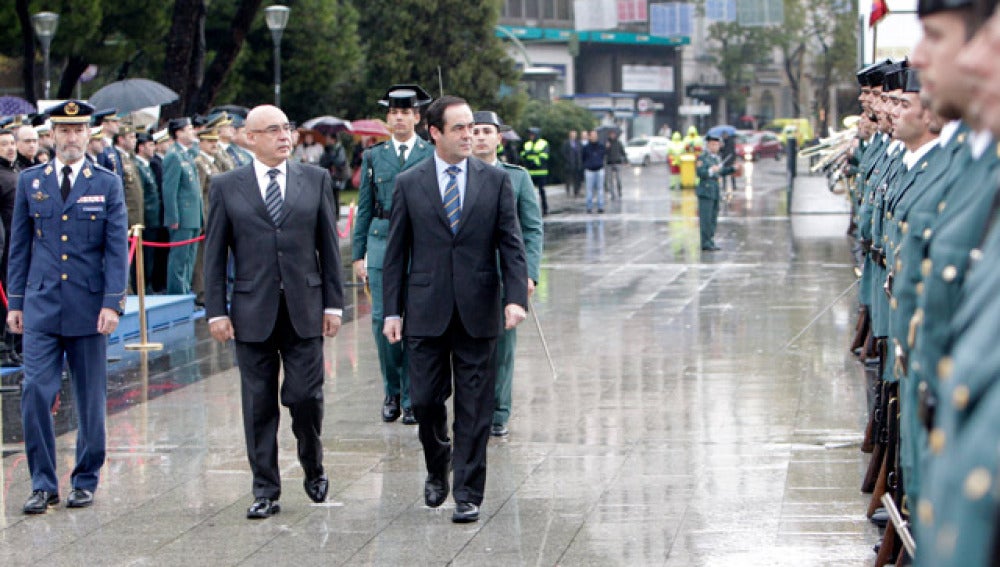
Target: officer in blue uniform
<point>67,277</point>
<point>380,165</point>
<point>110,125</point>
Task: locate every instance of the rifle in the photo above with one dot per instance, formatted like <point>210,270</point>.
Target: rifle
<point>891,540</point>
<point>877,425</point>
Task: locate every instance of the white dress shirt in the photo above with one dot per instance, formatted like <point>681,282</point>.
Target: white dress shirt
<point>75,167</point>
<point>410,144</point>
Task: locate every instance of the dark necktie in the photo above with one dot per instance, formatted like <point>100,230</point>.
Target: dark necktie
<point>64,187</point>
<point>452,203</point>
<point>272,198</point>
<point>402,155</point>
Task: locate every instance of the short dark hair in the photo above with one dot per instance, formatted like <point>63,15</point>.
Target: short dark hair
<point>435,112</point>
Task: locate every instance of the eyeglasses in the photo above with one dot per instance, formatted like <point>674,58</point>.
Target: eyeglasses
<point>276,128</point>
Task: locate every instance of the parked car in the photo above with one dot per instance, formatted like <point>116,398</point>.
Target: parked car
<point>754,146</point>
<point>647,149</point>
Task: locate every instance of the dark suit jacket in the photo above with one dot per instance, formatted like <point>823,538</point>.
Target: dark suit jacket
<point>453,271</point>
<point>301,253</point>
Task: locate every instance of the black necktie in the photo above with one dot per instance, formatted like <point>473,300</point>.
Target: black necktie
<point>64,187</point>
<point>402,154</point>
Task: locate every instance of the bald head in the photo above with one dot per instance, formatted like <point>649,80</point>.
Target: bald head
<point>27,141</point>
<point>269,134</point>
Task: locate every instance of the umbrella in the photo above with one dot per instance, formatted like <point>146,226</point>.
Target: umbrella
<point>318,136</point>
<point>132,94</point>
<point>327,125</point>
<point>721,130</point>
<point>230,109</point>
<point>372,127</point>
<point>11,105</point>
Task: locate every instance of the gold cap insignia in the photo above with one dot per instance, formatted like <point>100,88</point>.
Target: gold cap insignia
<point>71,108</point>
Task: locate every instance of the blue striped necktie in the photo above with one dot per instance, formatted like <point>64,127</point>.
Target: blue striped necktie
<point>452,202</point>
<point>272,199</point>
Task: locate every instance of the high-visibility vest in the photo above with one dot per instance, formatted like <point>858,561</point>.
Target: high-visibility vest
<point>536,156</point>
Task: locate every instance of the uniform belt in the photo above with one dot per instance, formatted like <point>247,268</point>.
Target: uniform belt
<point>866,245</point>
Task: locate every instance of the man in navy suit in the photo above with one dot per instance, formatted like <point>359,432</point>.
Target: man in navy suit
<point>67,276</point>
<point>451,216</point>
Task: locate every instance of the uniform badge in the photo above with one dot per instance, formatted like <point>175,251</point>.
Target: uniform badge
<point>40,196</point>
<point>48,169</point>
<point>36,183</point>
<point>86,172</point>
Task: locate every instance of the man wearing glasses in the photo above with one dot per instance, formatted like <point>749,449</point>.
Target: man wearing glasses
<point>275,218</point>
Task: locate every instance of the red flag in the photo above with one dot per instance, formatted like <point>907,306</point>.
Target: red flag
<point>880,9</point>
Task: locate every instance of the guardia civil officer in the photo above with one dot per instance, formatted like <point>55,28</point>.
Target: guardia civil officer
<point>183,210</point>
<point>380,165</point>
<point>710,169</point>
<point>67,277</point>
<point>485,141</point>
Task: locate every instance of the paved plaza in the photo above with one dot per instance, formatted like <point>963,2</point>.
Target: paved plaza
<point>705,411</point>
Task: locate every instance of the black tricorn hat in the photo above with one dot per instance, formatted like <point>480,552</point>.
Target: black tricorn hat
<point>405,96</point>
<point>489,117</point>
<point>911,83</point>
<point>876,72</point>
<point>894,80</point>
<point>176,124</point>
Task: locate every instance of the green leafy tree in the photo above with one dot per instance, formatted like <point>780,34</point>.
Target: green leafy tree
<point>555,120</point>
<point>736,50</point>
<point>117,36</point>
<point>422,41</point>
<point>320,53</point>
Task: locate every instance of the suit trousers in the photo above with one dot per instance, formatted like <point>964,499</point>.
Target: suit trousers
<point>43,365</point>
<point>433,362</point>
<point>180,265</point>
<point>506,345</point>
<point>391,357</point>
<point>301,392</point>
<point>708,216</point>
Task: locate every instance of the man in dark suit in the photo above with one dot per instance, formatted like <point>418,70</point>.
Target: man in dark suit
<point>274,217</point>
<point>67,276</point>
<point>10,346</point>
<point>451,216</point>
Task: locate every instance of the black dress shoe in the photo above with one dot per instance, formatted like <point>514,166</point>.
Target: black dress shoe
<point>39,502</point>
<point>80,498</point>
<point>465,512</point>
<point>317,488</point>
<point>390,409</point>
<point>435,490</point>
<point>408,417</point>
<point>263,508</point>
<point>499,430</point>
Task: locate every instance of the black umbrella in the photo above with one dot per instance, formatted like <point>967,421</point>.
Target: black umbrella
<point>132,94</point>
<point>327,125</point>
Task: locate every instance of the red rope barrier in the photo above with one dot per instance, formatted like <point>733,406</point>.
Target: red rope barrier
<point>131,249</point>
<point>3,295</point>
<point>170,244</point>
<point>350,223</point>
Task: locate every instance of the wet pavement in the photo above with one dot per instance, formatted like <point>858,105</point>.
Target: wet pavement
<point>705,411</point>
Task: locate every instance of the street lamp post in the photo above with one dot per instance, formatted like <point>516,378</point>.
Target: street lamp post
<point>277,19</point>
<point>45,24</point>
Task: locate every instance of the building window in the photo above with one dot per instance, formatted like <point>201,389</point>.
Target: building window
<point>513,9</point>
<point>563,10</point>
<point>531,8</point>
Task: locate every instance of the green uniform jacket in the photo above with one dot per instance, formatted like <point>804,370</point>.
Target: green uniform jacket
<point>152,205</point>
<point>956,519</point>
<point>181,193</point>
<point>708,183</point>
<point>133,189</point>
<point>380,164</point>
<point>529,215</point>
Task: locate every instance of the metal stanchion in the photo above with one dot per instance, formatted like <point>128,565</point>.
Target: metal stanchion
<point>140,280</point>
